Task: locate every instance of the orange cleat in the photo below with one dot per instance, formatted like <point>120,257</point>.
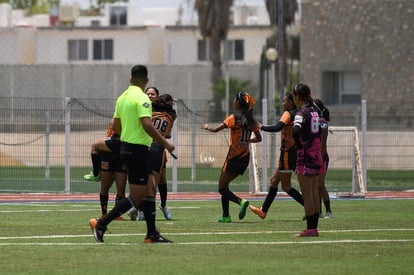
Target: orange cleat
<point>258,211</point>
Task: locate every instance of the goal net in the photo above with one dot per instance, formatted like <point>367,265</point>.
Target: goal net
<point>344,177</point>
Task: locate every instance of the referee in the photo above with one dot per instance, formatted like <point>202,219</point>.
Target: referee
<point>132,121</point>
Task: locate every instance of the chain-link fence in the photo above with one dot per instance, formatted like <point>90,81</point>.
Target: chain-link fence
<point>45,140</point>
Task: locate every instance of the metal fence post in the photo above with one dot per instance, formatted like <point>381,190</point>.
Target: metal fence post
<point>364,141</point>
<point>265,145</point>
<point>67,144</point>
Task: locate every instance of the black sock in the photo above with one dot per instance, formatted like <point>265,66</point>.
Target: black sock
<point>320,206</point>
<point>296,195</point>
<point>327,205</point>
<point>312,221</point>
<point>120,208</point>
<point>148,207</point>
<point>118,198</point>
<point>96,164</point>
<point>269,199</point>
<point>104,203</point>
<point>162,188</point>
<point>316,220</point>
<point>225,206</point>
<point>225,202</point>
<point>225,192</point>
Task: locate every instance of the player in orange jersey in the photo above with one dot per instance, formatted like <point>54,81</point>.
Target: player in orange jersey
<point>242,124</point>
<point>105,152</point>
<point>287,159</point>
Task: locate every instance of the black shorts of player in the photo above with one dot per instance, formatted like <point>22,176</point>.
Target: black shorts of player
<point>113,144</point>
<point>287,160</point>
<point>138,160</point>
<point>236,165</point>
<point>158,157</point>
<point>111,163</point>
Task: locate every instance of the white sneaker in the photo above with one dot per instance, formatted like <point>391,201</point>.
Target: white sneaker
<point>141,216</point>
<point>328,215</point>
<point>133,214</point>
<point>166,212</point>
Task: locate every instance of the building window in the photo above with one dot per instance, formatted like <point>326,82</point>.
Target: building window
<point>78,50</point>
<point>118,16</point>
<point>233,50</point>
<point>203,48</point>
<point>342,87</point>
<point>103,49</point>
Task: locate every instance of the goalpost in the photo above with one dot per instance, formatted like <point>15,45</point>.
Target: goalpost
<point>348,139</point>
<point>344,153</point>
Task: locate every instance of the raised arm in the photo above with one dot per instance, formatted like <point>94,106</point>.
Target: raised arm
<point>273,128</point>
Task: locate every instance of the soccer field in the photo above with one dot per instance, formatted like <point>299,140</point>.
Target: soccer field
<point>366,236</point>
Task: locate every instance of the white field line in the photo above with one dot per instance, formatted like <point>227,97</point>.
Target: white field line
<point>213,243</point>
<point>90,209</point>
<point>201,233</point>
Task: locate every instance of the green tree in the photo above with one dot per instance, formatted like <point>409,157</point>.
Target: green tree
<point>213,22</point>
<point>219,93</point>
<point>32,6</point>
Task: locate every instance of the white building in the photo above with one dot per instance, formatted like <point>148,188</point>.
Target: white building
<point>126,33</point>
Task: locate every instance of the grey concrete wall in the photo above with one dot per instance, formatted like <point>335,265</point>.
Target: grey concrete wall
<point>374,35</point>
<point>108,81</point>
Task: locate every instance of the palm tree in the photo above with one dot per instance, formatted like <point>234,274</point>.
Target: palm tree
<point>290,7</point>
<point>213,21</point>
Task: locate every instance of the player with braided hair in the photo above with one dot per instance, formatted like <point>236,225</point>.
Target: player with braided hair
<point>308,160</point>
<point>287,159</point>
<point>242,124</point>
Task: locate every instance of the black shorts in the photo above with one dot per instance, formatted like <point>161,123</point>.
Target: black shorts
<point>138,160</point>
<point>113,144</point>
<point>158,157</point>
<point>287,160</point>
<point>236,165</point>
<point>111,163</point>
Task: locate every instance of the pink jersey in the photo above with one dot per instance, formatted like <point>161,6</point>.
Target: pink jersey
<point>309,160</point>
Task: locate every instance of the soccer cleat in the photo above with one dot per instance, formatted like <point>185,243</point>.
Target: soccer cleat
<point>308,233</point>
<point>258,211</point>
<point>320,215</point>
<point>119,218</point>
<point>243,206</point>
<point>157,238</point>
<point>91,177</point>
<point>166,212</point>
<point>97,230</point>
<point>141,216</point>
<point>133,214</point>
<point>328,215</point>
<point>224,219</point>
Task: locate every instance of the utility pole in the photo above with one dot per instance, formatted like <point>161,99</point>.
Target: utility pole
<point>281,51</point>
